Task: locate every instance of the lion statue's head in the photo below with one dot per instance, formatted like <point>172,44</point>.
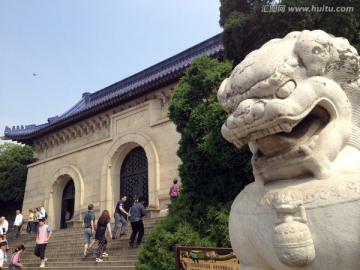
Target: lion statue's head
<point>296,101</point>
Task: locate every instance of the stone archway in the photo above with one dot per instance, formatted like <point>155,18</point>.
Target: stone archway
<point>110,189</point>
<point>55,189</point>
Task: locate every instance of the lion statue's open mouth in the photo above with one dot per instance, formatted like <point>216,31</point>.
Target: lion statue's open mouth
<point>298,141</point>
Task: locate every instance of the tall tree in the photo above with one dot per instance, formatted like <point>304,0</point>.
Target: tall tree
<point>245,31</point>
<point>14,159</point>
<point>212,169</point>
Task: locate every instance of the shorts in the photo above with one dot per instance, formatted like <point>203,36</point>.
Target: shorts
<point>88,235</point>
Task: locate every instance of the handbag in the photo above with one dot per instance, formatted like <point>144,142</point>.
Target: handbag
<point>12,266</point>
<point>100,232</point>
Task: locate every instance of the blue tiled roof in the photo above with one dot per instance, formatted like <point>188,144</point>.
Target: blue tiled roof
<point>138,84</point>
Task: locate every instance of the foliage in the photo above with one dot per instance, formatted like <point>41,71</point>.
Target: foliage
<point>245,31</point>
<point>212,169</point>
<point>212,172</point>
<point>14,159</point>
<point>158,251</point>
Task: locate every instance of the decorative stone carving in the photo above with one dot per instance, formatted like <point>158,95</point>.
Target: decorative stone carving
<point>296,101</point>
<point>74,136</point>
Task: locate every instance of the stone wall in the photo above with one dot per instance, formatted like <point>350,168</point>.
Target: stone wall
<point>91,153</point>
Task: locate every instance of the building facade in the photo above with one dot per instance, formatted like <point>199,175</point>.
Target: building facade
<point>116,141</point>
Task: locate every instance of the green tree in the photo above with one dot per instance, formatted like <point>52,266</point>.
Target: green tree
<point>14,159</point>
<point>245,31</point>
<point>212,171</point>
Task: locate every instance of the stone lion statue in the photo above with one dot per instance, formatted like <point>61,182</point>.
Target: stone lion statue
<point>296,102</point>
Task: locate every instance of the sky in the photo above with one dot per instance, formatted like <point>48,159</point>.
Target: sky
<point>51,52</point>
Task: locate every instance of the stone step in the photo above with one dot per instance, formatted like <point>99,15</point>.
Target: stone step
<point>71,267</point>
<point>65,250</point>
<point>98,266</point>
<point>78,257</point>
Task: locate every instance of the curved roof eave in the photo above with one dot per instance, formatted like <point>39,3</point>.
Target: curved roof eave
<point>163,73</point>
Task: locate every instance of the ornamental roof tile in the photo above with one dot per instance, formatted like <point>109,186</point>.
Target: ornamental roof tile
<point>138,84</point>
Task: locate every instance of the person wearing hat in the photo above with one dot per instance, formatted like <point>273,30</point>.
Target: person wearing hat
<point>42,237</point>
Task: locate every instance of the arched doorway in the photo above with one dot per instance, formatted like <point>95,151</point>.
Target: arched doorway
<point>134,176</point>
<point>68,202</point>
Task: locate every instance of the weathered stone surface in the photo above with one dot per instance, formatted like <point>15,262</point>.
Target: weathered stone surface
<point>296,102</point>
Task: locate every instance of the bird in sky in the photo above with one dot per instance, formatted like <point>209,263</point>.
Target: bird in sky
<point>34,74</point>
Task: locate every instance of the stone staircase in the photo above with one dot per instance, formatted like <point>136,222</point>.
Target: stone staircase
<point>65,250</point>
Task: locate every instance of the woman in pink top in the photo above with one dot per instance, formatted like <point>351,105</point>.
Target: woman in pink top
<point>15,257</point>
<point>174,191</point>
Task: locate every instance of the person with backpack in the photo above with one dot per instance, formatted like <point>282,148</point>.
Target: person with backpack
<point>174,191</point>
<point>15,258</point>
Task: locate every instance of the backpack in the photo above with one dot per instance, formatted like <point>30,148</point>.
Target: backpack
<point>170,191</point>
<point>173,192</point>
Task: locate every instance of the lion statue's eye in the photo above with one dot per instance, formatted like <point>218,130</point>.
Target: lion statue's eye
<point>285,90</point>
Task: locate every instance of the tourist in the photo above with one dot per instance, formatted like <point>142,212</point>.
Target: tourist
<point>15,258</point>
<point>2,254</point>
<point>42,212</point>
<point>120,216</point>
<point>30,222</point>
<point>137,212</point>
<point>17,223</point>
<point>42,238</point>
<point>37,215</point>
<point>67,217</point>
<point>174,191</point>
<point>39,212</point>
<point>103,225</point>
<point>89,230</point>
<point>4,240</point>
<point>4,225</point>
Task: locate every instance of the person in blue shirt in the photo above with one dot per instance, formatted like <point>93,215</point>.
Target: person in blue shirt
<point>120,216</point>
<point>137,212</point>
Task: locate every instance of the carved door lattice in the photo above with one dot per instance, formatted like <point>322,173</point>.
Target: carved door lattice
<point>134,176</point>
